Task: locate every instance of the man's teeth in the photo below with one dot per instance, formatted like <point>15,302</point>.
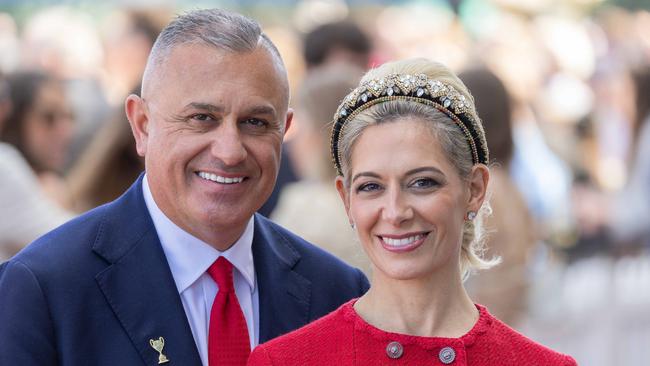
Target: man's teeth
<point>220,179</point>
<point>402,242</point>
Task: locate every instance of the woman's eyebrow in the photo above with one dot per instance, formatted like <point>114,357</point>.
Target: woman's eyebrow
<point>365,174</point>
<point>424,169</point>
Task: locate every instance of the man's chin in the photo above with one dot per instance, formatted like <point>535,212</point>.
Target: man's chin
<point>227,216</point>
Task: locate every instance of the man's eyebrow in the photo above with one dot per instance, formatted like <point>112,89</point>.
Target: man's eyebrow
<point>254,110</point>
<point>205,106</point>
<point>261,109</point>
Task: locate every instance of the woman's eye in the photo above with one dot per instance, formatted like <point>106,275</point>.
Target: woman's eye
<point>368,187</point>
<point>424,183</point>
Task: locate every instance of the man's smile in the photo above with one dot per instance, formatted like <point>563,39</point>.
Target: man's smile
<point>220,179</point>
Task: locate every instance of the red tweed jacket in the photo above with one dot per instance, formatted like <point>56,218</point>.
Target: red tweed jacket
<point>343,338</point>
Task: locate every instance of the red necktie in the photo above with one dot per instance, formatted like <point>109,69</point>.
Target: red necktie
<point>228,342</point>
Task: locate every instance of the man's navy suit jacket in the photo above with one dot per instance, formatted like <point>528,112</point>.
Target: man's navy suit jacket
<point>97,289</point>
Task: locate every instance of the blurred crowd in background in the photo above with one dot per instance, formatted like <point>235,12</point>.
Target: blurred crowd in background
<point>563,88</point>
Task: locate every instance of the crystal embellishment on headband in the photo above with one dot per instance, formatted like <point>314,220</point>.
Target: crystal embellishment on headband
<point>417,88</point>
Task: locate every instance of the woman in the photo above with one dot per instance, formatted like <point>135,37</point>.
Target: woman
<point>41,127</point>
<point>25,211</point>
<point>412,162</point>
<point>108,166</point>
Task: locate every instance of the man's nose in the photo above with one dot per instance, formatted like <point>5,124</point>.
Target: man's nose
<point>227,144</point>
<point>397,209</point>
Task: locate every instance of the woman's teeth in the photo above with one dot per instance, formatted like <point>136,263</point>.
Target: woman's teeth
<point>402,242</point>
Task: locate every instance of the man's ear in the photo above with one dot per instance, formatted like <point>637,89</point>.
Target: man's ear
<point>344,194</point>
<point>136,112</point>
<point>287,123</point>
<point>478,184</point>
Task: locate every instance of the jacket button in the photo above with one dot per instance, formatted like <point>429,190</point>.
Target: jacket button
<point>394,350</point>
<point>447,355</point>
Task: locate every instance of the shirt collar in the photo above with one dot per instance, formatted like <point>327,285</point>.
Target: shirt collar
<point>190,257</point>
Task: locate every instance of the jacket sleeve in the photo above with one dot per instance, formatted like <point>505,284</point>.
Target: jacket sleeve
<point>364,285</point>
<point>26,331</point>
<point>259,357</point>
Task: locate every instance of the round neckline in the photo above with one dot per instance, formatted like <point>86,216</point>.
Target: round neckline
<point>481,326</point>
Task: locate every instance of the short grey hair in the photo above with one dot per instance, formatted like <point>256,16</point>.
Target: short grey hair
<point>219,28</point>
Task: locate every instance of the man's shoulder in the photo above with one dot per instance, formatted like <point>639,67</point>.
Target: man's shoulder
<point>114,224</point>
<point>324,281</point>
<point>63,245</point>
<point>311,256</point>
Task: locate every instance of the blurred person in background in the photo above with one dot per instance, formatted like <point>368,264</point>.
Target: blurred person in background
<point>315,195</point>
<point>110,163</point>
<point>612,120</point>
<point>514,51</point>
<point>625,213</point>
<point>25,211</point>
<point>128,36</point>
<point>628,218</point>
<point>341,42</point>
<point>41,127</point>
<point>511,231</point>
<point>108,166</point>
<point>63,41</point>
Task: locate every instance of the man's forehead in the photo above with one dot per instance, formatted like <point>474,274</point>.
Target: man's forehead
<point>178,60</point>
<point>201,51</point>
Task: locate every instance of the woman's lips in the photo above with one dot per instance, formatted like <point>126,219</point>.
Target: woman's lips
<point>403,243</point>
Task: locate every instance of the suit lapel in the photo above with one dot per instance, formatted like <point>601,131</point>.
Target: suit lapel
<point>138,284</point>
<point>283,293</point>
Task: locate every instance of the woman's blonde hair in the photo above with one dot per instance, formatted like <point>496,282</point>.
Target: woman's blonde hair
<point>452,139</point>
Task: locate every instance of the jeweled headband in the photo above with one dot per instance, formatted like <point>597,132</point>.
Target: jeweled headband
<point>417,88</point>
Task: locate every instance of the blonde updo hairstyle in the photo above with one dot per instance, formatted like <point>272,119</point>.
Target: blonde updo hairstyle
<point>450,136</point>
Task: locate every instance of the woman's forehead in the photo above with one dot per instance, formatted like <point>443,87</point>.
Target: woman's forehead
<point>402,143</point>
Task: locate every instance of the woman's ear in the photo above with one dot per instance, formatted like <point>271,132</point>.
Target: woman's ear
<point>478,183</point>
<point>344,194</point>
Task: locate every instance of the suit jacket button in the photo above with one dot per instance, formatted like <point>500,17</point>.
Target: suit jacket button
<point>394,350</point>
<point>447,355</point>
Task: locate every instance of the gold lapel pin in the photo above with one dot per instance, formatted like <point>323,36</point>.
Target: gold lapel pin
<point>158,345</point>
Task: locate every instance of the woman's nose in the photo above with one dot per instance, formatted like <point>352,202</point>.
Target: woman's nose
<point>397,209</point>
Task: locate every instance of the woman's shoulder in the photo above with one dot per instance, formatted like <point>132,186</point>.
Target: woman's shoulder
<point>502,341</point>
<point>13,162</point>
<point>312,344</point>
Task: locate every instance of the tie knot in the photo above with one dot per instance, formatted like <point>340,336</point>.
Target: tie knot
<point>221,273</point>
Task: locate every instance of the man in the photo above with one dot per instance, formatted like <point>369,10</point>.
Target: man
<point>137,281</point>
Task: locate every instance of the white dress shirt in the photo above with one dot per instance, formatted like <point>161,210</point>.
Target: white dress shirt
<point>189,258</point>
